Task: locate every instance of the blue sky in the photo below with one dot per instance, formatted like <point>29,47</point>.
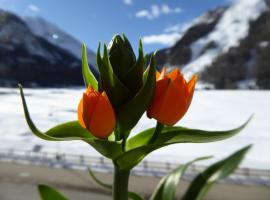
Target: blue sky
<point>157,22</point>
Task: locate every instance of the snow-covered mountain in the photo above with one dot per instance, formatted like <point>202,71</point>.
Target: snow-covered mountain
<point>56,36</point>
<point>217,33</point>
<point>31,59</point>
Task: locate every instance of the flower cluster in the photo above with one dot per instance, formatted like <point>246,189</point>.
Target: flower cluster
<point>110,107</point>
<point>122,78</point>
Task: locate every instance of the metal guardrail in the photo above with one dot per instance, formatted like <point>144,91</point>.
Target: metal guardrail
<point>245,176</point>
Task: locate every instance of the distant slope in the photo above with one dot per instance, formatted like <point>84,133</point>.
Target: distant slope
<point>181,53</point>
<point>56,36</point>
<point>214,35</point>
<point>246,64</point>
<point>31,59</point>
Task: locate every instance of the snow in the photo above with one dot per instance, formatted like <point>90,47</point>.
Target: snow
<point>263,44</point>
<point>231,28</point>
<point>209,17</point>
<point>210,110</point>
<point>247,84</point>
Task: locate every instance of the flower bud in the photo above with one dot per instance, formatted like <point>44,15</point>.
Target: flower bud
<point>121,74</point>
<point>121,55</point>
<point>172,97</point>
<point>96,114</point>
<point>129,87</point>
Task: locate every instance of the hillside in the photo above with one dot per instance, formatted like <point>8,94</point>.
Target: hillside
<point>227,47</point>
<point>33,60</point>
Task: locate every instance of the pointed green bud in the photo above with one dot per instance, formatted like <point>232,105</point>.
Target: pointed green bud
<point>121,56</point>
<point>127,43</point>
<point>122,77</point>
<point>133,79</point>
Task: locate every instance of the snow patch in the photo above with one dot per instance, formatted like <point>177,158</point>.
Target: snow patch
<point>231,28</point>
<point>263,44</point>
<point>210,110</point>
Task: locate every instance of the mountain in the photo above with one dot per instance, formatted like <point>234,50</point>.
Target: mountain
<point>56,36</point>
<point>227,47</point>
<point>201,27</point>
<point>33,60</point>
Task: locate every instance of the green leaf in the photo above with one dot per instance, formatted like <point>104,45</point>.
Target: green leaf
<point>139,139</point>
<point>109,186</point>
<point>69,130</point>
<point>220,170</point>
<point>72,131</point>
<point>134,196</point>
<point>130,113</point>
<point>166,188</point>
<point>134,78</point>
<point>146,61</point>
<point>101,183</point>
<point>185,135</point>
<point>146,58</point>
<point>182,135</point>
<point>88,76</point>
<point>49,193</point>
<point>137,147</point>
<point>127,43</point>
<point>118,93</point>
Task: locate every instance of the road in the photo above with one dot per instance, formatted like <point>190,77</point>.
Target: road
<point>18,182</point>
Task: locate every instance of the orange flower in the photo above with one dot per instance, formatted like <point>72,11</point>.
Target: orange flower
<point>95,113</point>
<point>172,97</point>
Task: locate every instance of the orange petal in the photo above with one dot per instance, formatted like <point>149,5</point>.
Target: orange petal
<point>174,74</point>
<point>191,83</point>
<point>163,73</point>
<point>172,97</point>
<point>89,103</point>
<point>190,89</point>
<point>89,90</point>
<point>173,107</point>
<point>103,119</point>
<point>157,75</point>
<point>79,114</point>
<point>160,90</point>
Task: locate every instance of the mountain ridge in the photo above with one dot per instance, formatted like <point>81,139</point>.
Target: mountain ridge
<point>228,27</point>
<point>52,33</point>
<point>32,60</point>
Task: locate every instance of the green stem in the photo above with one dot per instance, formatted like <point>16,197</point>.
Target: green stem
<point>120,184</point>
<point>121,135</point>
<point>117,133</point>
<point>157,131</point>
<point>124,145</point>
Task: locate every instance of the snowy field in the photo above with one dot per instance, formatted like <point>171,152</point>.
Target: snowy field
<point>211,110</point>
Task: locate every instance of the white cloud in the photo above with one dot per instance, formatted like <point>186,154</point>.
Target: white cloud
<point>33,8</point>
<point>143,13</point>
<point>164,39</point>
<point>169,36</point>
<point>128,2</point>
<point>173,28</point>
<point>178,10</point>
<point>165,9</point>
<point>181,27</point>
<point>155,11</point>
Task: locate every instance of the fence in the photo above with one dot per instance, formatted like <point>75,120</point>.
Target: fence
<point>246,176</point>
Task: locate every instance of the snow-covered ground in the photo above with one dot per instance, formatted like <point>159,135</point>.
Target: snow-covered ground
<point>211,110</point>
